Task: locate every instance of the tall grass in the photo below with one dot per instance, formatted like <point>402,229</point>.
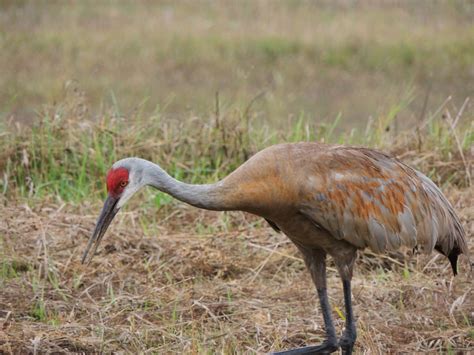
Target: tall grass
<point>67,152</point>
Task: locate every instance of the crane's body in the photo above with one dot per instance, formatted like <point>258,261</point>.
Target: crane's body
<point>328,199</point>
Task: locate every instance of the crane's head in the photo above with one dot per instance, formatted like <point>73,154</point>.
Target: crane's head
<point>124,179</point>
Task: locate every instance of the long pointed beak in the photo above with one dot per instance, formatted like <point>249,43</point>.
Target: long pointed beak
<point>106,216</point>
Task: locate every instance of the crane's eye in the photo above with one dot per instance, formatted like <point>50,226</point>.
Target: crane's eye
<point>123,183</point>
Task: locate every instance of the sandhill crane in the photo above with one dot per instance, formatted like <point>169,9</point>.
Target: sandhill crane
<point>327,199</point>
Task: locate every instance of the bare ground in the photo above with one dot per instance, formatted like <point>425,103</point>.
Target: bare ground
<point>205,282</point>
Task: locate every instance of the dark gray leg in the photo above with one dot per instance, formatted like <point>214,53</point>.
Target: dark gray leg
<point>345,259</point>
<point>350,334</point>
<point>316,262</point>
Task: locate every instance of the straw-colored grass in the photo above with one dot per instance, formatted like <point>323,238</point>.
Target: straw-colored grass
<point>209,282</point>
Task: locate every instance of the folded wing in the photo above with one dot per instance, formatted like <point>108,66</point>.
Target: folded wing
<point>373,200</point>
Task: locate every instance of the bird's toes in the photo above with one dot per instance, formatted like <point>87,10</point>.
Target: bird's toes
<point>347,344</point>
<point>327,347</point>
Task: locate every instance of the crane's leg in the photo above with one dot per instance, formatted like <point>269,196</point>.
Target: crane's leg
<point>345,264</point>
<point>348,338</point>
<point>316,262</point>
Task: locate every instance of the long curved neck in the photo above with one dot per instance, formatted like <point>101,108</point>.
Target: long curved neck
<point>210,196</point>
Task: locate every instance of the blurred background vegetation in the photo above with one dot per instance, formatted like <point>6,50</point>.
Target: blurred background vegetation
<point>316,57</point>
<point>199,86</point>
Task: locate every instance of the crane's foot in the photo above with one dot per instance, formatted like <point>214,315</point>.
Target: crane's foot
<point>347,350</point>
<point>326,347</point>
<point>346,342</point>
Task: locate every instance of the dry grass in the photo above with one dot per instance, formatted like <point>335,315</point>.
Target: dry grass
<point>203,282</point>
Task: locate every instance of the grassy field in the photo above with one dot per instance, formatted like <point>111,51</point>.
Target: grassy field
<point>320,58</point>
<point>83,86</point>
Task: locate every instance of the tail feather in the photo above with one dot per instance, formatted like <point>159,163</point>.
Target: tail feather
<point>455,242</point>
<point>453,245</point>
<point>453,259</point>
<point>451,241</point>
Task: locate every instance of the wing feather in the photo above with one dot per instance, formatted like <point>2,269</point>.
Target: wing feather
<point>373,200</point>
